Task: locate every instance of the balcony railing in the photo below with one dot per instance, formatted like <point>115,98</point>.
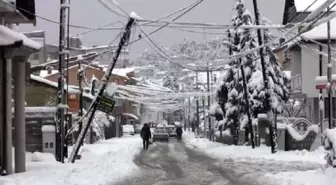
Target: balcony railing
<point>296,83</point>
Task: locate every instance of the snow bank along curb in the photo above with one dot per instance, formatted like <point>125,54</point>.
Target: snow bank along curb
<point>222,151</point>
<point>330,146</point>
<point>106,162</point>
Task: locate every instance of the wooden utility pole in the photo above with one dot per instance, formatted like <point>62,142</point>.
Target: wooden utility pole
<point>94,106</point>
<point>329,73</point>
<point>208,89</point>
<point>189,110</point>
<point>266,103</point>
<point>247,105</point>
<point>80,99</point>
<point>197,104</point>
<point>321,98</point>
<point>60,95</point>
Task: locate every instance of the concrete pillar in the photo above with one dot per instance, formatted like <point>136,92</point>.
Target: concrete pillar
<point>7,115</point>
<point>19,67</point>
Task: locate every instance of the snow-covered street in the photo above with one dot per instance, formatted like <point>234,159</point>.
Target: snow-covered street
<point>174,163</point>
<point>200,162</point>
<point>102,163</point>
<point>194,161</point>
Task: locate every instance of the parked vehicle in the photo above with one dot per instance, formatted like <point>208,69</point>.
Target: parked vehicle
<point>160,134</point>
<point>171,129</point>
<point>128,130</point>
<point>137,128</point>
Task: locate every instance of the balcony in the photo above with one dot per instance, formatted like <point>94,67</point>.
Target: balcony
<point>296,83</point>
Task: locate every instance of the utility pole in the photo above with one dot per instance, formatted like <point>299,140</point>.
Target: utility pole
<point>67,123</point>
<point>189,109</point>
<point>273,135</point>
<point>60,95</point>
<point>80,99</point>
<point>321,99</point>
<point>247,104</point>
<point>92,109</point>
<point>329,71</point>
<point>208,89</point>
<point>197,104</point>
<point>204,125</point>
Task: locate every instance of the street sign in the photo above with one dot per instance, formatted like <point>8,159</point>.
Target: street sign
<point>106,104</point>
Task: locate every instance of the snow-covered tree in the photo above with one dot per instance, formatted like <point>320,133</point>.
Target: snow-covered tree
<point>170,81</point>
<point>244,40</point>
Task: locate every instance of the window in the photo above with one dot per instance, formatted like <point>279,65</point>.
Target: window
<point>51,145</point>
<point>119,102</point>
<point>46,145</point>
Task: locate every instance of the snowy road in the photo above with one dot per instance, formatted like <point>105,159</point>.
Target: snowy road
<point>175,164</point>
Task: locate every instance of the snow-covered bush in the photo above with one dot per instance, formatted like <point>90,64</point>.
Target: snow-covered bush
<point>329,138</point>
<point>100,121</point>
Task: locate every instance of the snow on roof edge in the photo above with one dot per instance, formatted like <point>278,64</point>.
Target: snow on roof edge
<point>9,37</point>
<point>51,83</point>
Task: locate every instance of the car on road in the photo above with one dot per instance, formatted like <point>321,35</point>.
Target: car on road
<point>137,128</point>
<point>171,129</point>
<point>128,129</point>
<point>160,134</point>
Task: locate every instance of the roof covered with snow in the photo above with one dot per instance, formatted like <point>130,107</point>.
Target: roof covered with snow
<point>51,83</point>
<point>320,32</point>
<point>10,38</point>
<point>124,72</point>
<point>302,5</point>
<point>44,73</point>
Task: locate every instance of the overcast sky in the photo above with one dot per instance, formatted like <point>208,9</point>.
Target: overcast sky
<point>91,13</point>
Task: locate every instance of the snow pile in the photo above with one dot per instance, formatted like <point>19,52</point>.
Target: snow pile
<point>40,157</point>
<point>330,146</point>
<point>111,89</point>
<point>106,162</point>
<point>300,137</point>
<point>312,177</point>
<point>100,121</point>
<point>242,153</point>
<point>48,128</point>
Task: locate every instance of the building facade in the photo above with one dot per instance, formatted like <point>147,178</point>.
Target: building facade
<point>306,59</point>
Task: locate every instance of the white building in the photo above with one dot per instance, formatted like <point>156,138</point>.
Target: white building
<point>307,57</point>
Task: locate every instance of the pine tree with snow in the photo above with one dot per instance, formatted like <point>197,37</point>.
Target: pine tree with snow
<point>244,40</point>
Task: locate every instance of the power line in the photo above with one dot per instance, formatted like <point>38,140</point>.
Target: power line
<point>158,29</point>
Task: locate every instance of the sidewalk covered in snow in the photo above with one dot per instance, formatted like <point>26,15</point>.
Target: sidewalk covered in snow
<point>281,168</point>
<point>105,162</point>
